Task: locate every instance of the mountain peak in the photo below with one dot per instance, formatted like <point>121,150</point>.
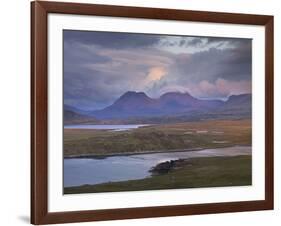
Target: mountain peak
<point>170,94</point>
<point>133,94</point>
<point>138,104</point>
<point>132,99</point>
<point>175,94</point>
<point>239,101</point>
<point>130,93</point>
<point>239,96</point>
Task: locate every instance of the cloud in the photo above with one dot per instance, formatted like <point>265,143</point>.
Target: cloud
<point>105,74</point>
<point>188,44</point>
<point>156,73</point>
<point>220,88</point>
<point>101,66</point>
<point>115,40</point>
<point>229,64</point>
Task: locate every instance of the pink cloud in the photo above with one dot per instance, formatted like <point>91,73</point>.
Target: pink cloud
<point>220,87</point>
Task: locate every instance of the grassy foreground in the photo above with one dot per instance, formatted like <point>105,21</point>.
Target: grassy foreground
<point>162,137</point>
<point>197,172</point>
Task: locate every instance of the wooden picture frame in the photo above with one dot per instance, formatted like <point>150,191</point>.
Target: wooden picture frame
<point>39,112</point>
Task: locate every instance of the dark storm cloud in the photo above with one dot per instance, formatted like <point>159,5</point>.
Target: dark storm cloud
<point>182,41</point>
<point>191,42</point>
<point>196,42</point>
<point>231,64</point>
<point>111,39</point>
<point>213,42</point>
<point>234,41</point>
<point>105,73</point>
<point>101,66</point>
<point>89,90</point>
<point>77,55</point>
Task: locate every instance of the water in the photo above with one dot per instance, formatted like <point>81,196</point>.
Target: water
<point>106,127</point>
<point>79,171</point>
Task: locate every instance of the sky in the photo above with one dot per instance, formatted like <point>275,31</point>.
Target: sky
<point>101,66</point>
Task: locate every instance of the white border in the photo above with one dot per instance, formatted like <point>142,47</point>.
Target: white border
<point>59,202</point>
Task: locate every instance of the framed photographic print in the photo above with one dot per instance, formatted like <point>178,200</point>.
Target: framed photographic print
<point>146,112</point>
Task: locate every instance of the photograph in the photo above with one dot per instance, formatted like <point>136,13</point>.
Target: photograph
<point>143,112</point>
<point>155,111</point>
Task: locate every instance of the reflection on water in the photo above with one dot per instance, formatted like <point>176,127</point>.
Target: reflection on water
<point>106,127</point>
<point>79,171</point>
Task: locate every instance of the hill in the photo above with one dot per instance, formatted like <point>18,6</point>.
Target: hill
<point>71,117</point>
<point>138,104</point>
<point>173,104</point>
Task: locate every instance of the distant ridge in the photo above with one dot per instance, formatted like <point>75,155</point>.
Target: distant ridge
<point>72,117</point>
<point>138,104</point>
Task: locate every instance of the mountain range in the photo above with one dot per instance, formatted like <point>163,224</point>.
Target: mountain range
<point>136,105</point>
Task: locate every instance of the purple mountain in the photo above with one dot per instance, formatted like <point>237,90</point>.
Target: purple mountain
<point>138,104</point>
<point>239,101</point>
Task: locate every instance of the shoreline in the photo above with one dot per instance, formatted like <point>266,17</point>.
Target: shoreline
<point>96,156</point>
<point>183,175</point>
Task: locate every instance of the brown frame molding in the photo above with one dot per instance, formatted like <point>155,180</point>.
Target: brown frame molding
<point>39,108</point>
